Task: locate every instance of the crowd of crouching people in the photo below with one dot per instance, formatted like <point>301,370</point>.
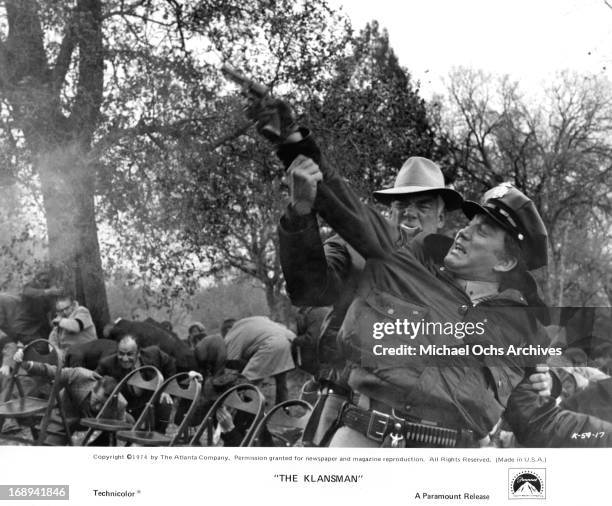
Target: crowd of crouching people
<point>247,351</point>
<point>250,350</point>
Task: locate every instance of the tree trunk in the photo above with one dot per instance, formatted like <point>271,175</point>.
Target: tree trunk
<point>279,305</point>
<point>67,184</point>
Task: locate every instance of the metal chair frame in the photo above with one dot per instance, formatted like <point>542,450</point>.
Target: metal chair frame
<point>292,422</point>
<point>26,406</point>
<point>231,399</point>
<point>134,378</point>
<point>146,420</point>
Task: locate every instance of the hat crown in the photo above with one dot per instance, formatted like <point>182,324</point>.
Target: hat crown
<point>517,213</point>
<point>523,212</point>
<point>419,175</point>
<point>419,171</point>
<point>507,194</point>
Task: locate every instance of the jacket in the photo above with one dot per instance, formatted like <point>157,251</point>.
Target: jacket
<point>88,354</point>
<point>582,421</point>
<point>211,354</point>
<point>404,280</point>
<point>151,334</point>
<point>331,278</point>
<point>152,355</point>
<point>22,319</point>
<point>78,328</point>
<point>78,384</point>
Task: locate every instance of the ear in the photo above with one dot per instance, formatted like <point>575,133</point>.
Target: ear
<point>505,264</point>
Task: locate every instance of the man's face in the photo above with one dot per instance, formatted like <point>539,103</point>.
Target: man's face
<point>97,399</point>
<point>418,213</point>
<point>64,308</point>
<point>475,253</point>
<point>127,353</point>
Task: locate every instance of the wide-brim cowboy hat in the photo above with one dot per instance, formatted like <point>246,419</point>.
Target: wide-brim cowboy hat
<point>418,176</point>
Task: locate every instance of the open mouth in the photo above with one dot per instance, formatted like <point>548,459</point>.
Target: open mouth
<point>459,248</point>
<point>410,223</point>
<point>411,231</point>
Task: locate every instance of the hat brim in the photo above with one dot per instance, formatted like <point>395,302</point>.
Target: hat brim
<point>471,209</point>
<point>452,199</point>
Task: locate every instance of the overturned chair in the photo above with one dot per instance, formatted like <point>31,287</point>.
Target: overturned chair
<point>104,421</point>
<point>37,412</point>
<point>180,386</point>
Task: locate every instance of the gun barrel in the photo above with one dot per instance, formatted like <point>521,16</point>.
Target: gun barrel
<point>253,87</point>
<point>233,75</point>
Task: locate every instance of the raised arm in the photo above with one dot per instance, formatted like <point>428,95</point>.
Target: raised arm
<point>68,375</point>
<point>33,292</point>
<point>360,225</point>
<point>316,274</point>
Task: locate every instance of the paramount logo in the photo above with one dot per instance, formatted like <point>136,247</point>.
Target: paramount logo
<point>526,484</point>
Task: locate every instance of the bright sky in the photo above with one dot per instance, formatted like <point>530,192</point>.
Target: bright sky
<point>529,39</point>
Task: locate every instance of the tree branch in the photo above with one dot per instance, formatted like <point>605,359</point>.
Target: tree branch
<point>178,130</point>
<point>24,50</point>
<point>62,62</point>
<point>91,66</point>
<point>178,15</point>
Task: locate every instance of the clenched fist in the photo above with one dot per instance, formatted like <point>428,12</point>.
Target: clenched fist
<point>303,176</point>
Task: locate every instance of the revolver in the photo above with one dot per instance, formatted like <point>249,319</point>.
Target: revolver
<point>258,92</point>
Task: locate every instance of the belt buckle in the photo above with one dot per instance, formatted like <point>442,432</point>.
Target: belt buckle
<point>396,417</point>
<point>377,418</point>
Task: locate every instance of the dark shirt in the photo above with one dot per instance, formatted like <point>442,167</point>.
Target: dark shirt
<point>584,420</point>
<point>211,354</point>
<point>78,383</point>
<point>152,355</point>
<point>149,334</point>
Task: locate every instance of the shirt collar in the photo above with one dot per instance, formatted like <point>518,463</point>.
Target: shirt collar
<point>479,290</point>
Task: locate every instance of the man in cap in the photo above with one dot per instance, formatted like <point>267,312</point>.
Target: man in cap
<point>482,280</point>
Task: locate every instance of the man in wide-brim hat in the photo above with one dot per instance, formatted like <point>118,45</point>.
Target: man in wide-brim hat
<point>419,200</point>
<point>419,197</point>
